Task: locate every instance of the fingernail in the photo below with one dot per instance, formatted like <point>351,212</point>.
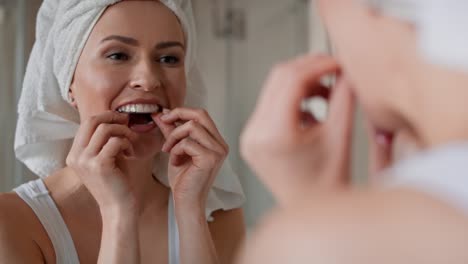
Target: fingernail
<point>165,114</point>
<point>121,113</point>
<point>164,148</point>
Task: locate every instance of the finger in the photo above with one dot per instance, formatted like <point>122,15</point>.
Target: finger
<point>289,84</point>
<point>339,130</point>
<point>104,132</point>
<point>200,116</point>
<point>309,116</point>
<point>341,114</point>
<point>166,128</point>
<point>188,148</point>
<point>196,132</point>
<point>116,146</point>
<point>87,128</point>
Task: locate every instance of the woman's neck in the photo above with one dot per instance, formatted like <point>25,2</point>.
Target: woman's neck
<point>69,192</point>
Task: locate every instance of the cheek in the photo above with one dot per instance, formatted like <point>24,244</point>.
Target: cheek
<point>176,84</point>
<point>362,51</point>
<point>96,89</point>
<point>364,64</point>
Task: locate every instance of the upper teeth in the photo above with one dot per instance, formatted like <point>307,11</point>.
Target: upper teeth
<point>139,108</point>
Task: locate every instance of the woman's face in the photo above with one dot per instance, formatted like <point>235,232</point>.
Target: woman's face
<point>378,55</point>
<point>134,57</point>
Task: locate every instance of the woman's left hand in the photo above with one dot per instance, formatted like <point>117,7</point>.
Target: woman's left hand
<point>197,151</point>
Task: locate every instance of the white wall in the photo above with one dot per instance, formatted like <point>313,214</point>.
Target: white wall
<point>276,31</point>
<point>8,51</point>
<point>6,94</point>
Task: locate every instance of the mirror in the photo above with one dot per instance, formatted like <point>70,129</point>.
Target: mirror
<point>238,43</point>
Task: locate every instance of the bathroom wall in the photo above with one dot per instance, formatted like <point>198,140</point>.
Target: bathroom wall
<point>275,30</point>
<point>17,22</point>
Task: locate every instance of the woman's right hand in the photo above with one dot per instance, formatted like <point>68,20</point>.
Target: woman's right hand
<point>100,142</point>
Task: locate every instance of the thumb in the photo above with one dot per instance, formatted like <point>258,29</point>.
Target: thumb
<point>340,121</point>
<point>165,128</point>
<point>339,130</point>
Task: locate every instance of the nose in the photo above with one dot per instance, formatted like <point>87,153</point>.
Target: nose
<point>145,77</point>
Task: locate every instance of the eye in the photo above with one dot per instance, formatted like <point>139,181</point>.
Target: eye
<point>171,60</point>
<point>118,56</point>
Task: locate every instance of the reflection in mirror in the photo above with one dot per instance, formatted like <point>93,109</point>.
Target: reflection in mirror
<point>106,120</point>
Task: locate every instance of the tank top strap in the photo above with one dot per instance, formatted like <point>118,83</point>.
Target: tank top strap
<point>36,195</point>
<point>174,252</point>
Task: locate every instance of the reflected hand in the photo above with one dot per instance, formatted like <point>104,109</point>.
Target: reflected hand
<point>290,151</point>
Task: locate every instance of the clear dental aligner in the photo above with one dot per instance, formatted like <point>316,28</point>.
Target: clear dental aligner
<point>140,109</point>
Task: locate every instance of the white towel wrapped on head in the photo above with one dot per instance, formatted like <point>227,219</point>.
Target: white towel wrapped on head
<point>440,26</point>
<point>47,123</point>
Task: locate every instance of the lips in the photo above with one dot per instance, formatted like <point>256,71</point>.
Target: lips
<point>141,128</point>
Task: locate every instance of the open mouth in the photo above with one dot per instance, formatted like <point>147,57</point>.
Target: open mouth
<point>140,119</point>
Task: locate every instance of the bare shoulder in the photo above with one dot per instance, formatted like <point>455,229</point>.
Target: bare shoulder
<point>227,231</point>
<point>14,215</point>
<point>20,232</point>
<point>398,226</point>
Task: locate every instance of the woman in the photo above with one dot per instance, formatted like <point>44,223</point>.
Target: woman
<point>120,69</point>
<point>419,214</point>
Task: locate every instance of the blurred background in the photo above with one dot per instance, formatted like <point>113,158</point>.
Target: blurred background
<point>239,42</point>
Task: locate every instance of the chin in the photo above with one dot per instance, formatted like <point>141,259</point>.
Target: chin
<point>381,118</point>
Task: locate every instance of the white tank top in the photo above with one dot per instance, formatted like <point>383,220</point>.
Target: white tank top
<point>441,173</point>
<point>36,195</point>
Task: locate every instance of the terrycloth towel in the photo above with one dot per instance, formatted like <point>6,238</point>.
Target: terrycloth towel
<point>443,35</point>
<point>440,25</point>
<point>47,122</point>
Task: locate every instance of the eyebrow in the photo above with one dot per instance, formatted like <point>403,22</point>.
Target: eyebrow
<point>134,42</point>
<point>126,40</point>
<point>169,44</point>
